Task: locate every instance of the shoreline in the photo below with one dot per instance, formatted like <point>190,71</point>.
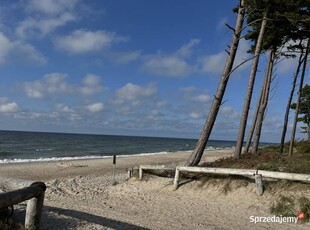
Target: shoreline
<point>65,168</point>
<point>94,157</point>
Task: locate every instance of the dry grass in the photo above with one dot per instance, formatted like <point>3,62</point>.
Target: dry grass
<point>290,206</point>
<point>268,160</point>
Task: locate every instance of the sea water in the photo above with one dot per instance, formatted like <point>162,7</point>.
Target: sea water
<point>16,146</point>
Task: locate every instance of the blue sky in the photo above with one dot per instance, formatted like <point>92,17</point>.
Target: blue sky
<point>125,67</point>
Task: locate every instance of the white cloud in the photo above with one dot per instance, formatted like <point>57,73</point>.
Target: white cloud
<point>91,85</point>
<point>230,113</point>
<point>213,63</point>
<point>195,102</point>
<point>134,93</point>
<point>42,26</point>
<point>51,7</point>
<point>96,107</point>
<point>174,65</point>
<point>195,115</point>
<point>28,52</point>
<point>135,99</point>
<point>83,41</point>
<point>64,108</point>
<point>5,47</point>
<point>19,49</point>
<point>186,50</point>
<point>8,107</point>
<point>45,16</point>
<point>56,84</point>
<point>126,57</point>
<point>167,66</point>
<point>50,84</point>
<point>221,24</point>
<point>202,98</point>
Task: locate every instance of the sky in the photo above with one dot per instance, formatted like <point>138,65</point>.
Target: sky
<point>147,68</point>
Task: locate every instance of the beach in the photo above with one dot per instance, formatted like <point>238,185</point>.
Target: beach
<point>80,195</point>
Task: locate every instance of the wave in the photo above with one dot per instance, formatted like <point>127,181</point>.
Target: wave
<point>40,150</point>
<point>51,159</point>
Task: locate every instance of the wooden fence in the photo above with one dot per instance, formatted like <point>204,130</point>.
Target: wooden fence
<point>257,174</point>
<point>153,167</point>
<point>21,190</point>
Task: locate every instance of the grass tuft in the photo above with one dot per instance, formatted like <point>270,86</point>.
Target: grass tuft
<point>287,206</point>
<point>304,204</point>
<point>284,206</point>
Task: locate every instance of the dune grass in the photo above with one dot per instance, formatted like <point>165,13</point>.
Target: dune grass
<point>268,158</point>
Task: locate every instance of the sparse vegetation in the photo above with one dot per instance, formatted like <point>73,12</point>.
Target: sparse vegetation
<point>269,159</point>
<point>304,204</point>
<point>288,206</point>
<point>284,206</point>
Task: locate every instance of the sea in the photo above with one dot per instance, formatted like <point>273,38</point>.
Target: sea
<point>22,147</point>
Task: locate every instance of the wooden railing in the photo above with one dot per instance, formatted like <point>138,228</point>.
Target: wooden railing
<point>154,167</point>
<point>257,174</point>
<point>22,190</point>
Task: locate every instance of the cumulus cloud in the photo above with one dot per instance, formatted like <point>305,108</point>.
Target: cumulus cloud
<point>174,65</point>
<point>51,83</point>
<point>187,49</point>
<point>29,53</point>
<point>5,47</point>
<point>7,106</point>
<point>131,97</point>
<point>56,84</point>
<point>51,7</point>
<point>195,102</point>
<point>91,85</point>
<point>125,57</point>
<point>84,41</point>
<point>20,50</point>
<point>134,93</point>
<point>64,108</point>
<point>230,113</point>
<point>45,16</point>
<point>214,63</point>
<point>43,26</point>
<point>96,107</point>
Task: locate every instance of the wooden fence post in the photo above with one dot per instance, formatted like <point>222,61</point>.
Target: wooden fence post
<point>140,172</point>
<point>34,209</point>
<point>259,184</point>
<point>129,173</point>
<point>176,179</point>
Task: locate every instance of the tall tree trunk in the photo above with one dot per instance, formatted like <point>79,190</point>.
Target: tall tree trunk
<point>247,102</point>
<point>298,99</point>
<point>289,102</point>
<point>264,102</point>
<point>196,155</point>
<point>252,129</point>
<point>308,131</point>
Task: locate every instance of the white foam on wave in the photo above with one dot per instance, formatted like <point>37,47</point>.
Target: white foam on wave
<point>51,159</point>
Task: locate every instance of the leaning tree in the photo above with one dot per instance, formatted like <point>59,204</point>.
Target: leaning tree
<point>304,110</point>
<point>196,155</point>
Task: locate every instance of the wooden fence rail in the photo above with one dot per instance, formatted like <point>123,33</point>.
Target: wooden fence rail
<point>24,190</point>
<point>258,175</point>
<point>153,167</point>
